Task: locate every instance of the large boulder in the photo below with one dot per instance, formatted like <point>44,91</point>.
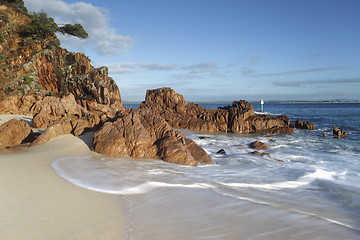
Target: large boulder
<point>53,130</point>
<point>140,134</point>
<point>15,132</point>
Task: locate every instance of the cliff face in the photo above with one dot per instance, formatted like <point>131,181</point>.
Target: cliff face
<point>31,65</point>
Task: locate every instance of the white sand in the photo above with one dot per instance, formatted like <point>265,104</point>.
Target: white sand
<point>36,203</point>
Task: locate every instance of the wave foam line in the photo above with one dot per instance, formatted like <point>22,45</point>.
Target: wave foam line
<point>148,186</point>
<point>304,180</point>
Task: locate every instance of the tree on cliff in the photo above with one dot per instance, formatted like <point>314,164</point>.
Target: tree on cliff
<point>76,30</point>
<point>42,26</point>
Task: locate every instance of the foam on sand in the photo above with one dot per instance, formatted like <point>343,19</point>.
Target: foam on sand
<point>36,203</point>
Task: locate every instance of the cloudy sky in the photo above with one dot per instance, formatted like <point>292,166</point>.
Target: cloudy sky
<point>220,50</point>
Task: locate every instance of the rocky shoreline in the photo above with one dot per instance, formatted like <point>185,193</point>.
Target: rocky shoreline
<point>66,95</point>
<point>145,132</point>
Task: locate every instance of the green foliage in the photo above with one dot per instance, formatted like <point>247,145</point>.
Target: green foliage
<point>28,80</point>
<point>1,38</point>
<point>18,4</point>
<point>41,26</point>
<point>75,30</point>
<point>107,69</point>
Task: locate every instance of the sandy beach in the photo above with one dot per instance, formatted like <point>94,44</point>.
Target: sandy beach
<point>36,203</point>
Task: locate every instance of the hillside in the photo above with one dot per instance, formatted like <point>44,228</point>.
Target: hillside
<point>33,64</point>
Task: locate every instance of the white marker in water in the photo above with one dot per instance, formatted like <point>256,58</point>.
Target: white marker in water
<point>262,105</point>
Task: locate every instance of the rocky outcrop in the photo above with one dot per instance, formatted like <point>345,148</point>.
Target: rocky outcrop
<point>15,132</point>
<point>302,125</point>
<point>338,133</point>
<point>142,134</point>
<point>237,118</point>
<point>30,64</point>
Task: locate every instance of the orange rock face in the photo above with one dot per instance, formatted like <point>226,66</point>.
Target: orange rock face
<point>140,134</point>
<point>33,64</point>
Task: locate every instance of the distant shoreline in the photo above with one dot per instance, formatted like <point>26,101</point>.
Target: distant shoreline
<point>266,102</point>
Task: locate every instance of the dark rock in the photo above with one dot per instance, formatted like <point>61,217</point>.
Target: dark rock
<point>325,135</point>
<point>301,125</point>
<point>255,153</point>
<point>258,145</point>
<point>278,160</point>
<point>221,151</point>
<point>266,154</point>
<point>14,132</point>
<point>203,137</point>
<point>338,133</point>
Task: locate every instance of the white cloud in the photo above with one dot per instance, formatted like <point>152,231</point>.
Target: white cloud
<point>312,82</point>
<point>123,68</point>
<point>203,67</point>
<point>102,37</point>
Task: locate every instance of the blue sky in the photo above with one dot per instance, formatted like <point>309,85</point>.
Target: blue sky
<point>220,50</point>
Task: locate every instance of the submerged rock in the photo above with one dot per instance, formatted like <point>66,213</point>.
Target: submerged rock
<point>338,133</point>
<point>302,125</point>
<point>258,145</point>
<point>221,151</point>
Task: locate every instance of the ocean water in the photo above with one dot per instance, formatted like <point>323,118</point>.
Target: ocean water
<point>313,194</point>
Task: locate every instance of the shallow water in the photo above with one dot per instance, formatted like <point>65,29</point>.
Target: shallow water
<point>313,194</point>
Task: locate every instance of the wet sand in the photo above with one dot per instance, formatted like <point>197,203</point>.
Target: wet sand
<point>36,203</point>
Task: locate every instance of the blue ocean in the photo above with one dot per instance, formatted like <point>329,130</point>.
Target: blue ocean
<point>312,193</point>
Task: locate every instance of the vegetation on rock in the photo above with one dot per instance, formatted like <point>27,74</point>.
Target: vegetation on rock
<point>17,4</point>
<point>76,30</point>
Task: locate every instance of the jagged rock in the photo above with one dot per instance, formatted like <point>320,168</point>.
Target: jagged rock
<point>237,118</point>
<point>19,104</point>
<point>338,133</point>
<point>53,130</point>
<point>301,125</point>
<point>197,152</point>
<point>221,151</point>
<point>14,132</point>
<point>52,109</point>
<point>258,145</point>
<point>325,135</point>
<point>139,134</point>
<point>90,122</point>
